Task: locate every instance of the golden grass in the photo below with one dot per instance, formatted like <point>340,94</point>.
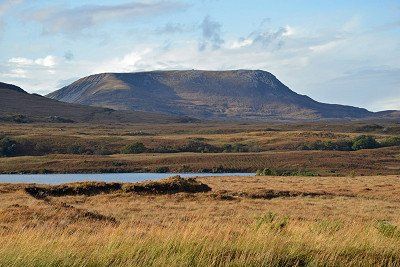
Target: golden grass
<point>203,243</point>
<point>350,222</point>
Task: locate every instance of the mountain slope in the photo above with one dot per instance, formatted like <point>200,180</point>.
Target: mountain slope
<point>244,94</point>
<point>19,106</point>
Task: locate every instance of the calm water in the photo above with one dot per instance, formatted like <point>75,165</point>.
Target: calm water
<point>106,177</point>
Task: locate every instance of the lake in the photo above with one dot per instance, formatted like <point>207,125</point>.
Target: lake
<point>104,177</point>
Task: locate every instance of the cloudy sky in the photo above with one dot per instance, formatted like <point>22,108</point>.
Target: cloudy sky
<point>339,51</point>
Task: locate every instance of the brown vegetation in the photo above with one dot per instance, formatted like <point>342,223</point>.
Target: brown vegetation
<point>260,220</point>
<point>241,147</point>
<point>172,185</point>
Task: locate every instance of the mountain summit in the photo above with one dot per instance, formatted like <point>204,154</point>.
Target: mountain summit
<point>236,94</point>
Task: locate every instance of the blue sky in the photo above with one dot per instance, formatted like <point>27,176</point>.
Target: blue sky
<point>345,52</point>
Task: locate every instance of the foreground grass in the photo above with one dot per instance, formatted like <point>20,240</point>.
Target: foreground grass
<point>203,244</point>
<point>252,221</point>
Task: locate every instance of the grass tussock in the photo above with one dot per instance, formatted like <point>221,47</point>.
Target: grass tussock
<point>172,185</point>
<point>271,193</point>
<point>72,189</point>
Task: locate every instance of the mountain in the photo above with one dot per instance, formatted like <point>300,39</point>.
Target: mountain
<point>237,94</point>
<point>16,105</point>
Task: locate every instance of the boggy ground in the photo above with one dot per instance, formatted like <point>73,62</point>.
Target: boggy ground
<point>87,148</point>
<point>242,221</point>
<point>323,163</point>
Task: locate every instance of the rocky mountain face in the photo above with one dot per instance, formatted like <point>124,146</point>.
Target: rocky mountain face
<point>16,105</point>
<point>238,94</point>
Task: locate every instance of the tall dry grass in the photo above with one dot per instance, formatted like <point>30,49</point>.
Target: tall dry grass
<point>355,224</point>
<point>203,243</point>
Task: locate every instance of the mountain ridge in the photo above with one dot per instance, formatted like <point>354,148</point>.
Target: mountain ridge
<point>232,94</point>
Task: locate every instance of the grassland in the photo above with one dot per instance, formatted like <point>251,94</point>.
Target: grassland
<point>253,221</point>
<point>347,213</point>
<point>49,148</point>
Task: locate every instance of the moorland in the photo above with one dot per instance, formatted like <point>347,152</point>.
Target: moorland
<point>313,148</point>
<point>213,221</point>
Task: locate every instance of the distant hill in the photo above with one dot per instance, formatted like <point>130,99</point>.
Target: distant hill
<point>238,94</point>
<point>16,105</point>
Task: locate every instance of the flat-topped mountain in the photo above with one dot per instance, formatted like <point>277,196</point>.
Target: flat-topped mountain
<point>238,94</point>
<point>16,105</point>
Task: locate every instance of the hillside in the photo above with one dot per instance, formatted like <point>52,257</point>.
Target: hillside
<point>239,94</point>
<point>16,105</point>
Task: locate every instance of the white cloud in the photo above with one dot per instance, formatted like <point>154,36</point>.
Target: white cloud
<point>241,43</point>
<point>325,47</point>
<point>21,61</point>
<point>127,63</point>
<point>48,61</point>
<point>267,38</point>
<point>289,31</point>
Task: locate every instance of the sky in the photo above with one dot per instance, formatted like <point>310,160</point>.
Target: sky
<point>335,51</point>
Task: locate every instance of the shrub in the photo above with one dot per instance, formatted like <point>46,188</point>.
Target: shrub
<point>8,147</point>
<point>341,145</point>
<point>391,141</point>
<point>165,149</point>
<point>199,146</point>
<point>162,169</point>
<point>364,142</point>
<point>75,149</point>
<point>237,147</point>
<point>135,148</point>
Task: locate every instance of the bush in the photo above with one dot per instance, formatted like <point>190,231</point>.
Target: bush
<point>391,141</point>
<point>199,146</point>
<point>135,148</point>
<point>8,147</point>
<point>341,145</point>
<point>162,169</point>
<point>165,149</point>
<point>364,142</point>
<point>75,149</point>
<point>360,142</point>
